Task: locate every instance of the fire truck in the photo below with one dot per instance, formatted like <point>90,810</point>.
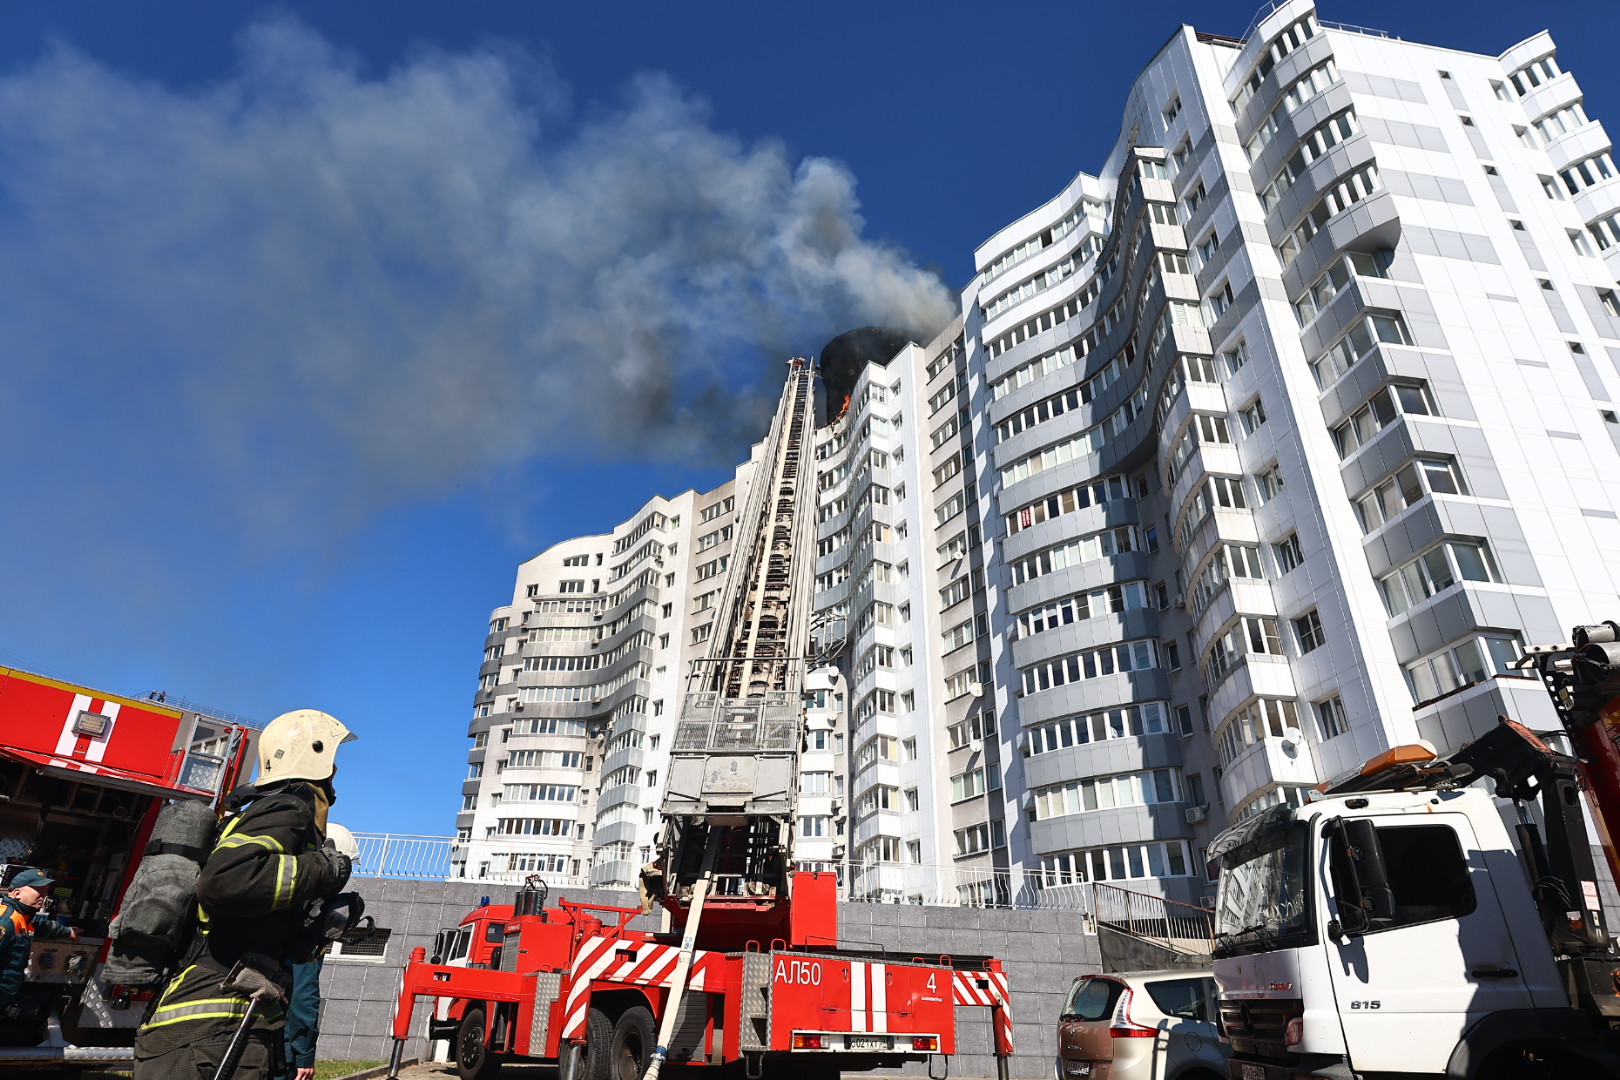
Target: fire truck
<point>748,972</point>
<point>1428,915</point>
<point>83,775</point>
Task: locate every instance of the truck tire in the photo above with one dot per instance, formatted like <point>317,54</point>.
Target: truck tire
<point>473,1059</point>
<point>634,1038</point>
<point>598,1046</point>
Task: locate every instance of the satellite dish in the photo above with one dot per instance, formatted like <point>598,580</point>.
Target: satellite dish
<point>1292,738</point>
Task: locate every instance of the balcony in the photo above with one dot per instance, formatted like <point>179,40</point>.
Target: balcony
<point>1267,763</point>
<point>1253,675</point>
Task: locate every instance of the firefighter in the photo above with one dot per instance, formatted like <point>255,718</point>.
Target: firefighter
<point>20,924</point>
<point>253,897</point>
<point>303,1031</point>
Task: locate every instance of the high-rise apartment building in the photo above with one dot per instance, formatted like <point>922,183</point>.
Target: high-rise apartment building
<point>1257,452</point>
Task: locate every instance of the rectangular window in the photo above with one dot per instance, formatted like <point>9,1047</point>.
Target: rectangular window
<point>1381,410</point>
<point>1308,628</point>
<point>1126,722</point>
<point>1330,719</point>
<point>1288,553</point>
<point>1474,660</point>
<point>1091,664</point>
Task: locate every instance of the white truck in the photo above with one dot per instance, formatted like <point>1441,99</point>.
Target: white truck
<point>1395,925</point>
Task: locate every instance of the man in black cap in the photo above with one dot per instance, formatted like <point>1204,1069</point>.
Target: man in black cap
<point>20,924</point>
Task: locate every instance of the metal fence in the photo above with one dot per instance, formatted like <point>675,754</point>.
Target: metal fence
<point>509,860</point>
<point>1174,925</point>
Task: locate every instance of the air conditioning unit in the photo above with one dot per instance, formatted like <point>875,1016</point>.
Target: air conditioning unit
<point>517,706</point>
<point>838,851</point>
<point>1181,600</point>
<point>1197,814</point>
<point>595,644</point>
<point>838,806</point>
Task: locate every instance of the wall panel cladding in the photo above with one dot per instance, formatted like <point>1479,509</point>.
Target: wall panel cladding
<point>1043,951</point>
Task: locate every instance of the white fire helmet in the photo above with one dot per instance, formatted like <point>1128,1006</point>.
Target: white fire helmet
<point>300,745</point>
<point>344,841</point>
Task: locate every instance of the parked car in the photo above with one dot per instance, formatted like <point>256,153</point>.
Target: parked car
<point>1146,1025</point>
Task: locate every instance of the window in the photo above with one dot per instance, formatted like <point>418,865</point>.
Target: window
<point>1091,664</point>
<point>1069,501</point>
<point>1316,144</point>
<point>1472,661</point>
<point>1427,873</point>
<point>1172,110</point>
<point>908,749</point>
<point>1534,74</point>
<point>1408,484</point>
<point>1086,549</point>
<point>1121,723</point>
<point>1382,409</point>
<point>1269,483</point>
<point>1606,231</point>
<point>1227,561</point>
<point>1195,198</point>
<point>1308,628</point>
<point>1252,417</point>
<point>1437,569</point>
<point>1108,600</point>
<point>814,826</point>
<point>1330,719</point>
<point>1587,172</point>
<point>1578,241</point>
<point>1263,718</point>
<point>1560,122</point>
<point>1336,279</point>
<point>1184,725</point>
<point>1288,553</point>
<point>1610,302</point>
<point>815,783</point>
<point>1171,652</point>
<point>1117,863</point>
<point>1236,356</point>
<point>1365,333</point>
<point>1208,246</point>
<point>1249,634</point>
<point>1106,793</point>
<point>570,586</point>
<point>1349,190</point>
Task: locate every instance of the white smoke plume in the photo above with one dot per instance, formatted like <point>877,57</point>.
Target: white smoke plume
<point>318,291</point>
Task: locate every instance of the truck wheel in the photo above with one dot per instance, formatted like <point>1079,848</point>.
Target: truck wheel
<point>473,1059</point>
<point>633,1042</point>
<point>598,1049</point>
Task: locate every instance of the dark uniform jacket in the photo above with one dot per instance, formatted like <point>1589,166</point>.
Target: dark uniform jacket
<point>19,926</point>
<point>303,1017</point>
<point>252,894</point>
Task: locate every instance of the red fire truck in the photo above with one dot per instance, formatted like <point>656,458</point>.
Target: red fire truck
<point>82,777</point>
<point>574,984</point>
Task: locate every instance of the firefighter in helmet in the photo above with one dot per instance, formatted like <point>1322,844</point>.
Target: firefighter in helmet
<point>253,899</point>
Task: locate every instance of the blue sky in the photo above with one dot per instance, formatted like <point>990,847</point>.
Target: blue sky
<point>268,274</point>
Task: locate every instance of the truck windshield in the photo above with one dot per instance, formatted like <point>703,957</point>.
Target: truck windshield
<point>1262,903</point>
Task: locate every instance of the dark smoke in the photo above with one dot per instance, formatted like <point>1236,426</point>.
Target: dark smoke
<point>306,294</point>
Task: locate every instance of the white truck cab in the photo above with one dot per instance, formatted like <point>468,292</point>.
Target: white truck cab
<point>1397,932</point>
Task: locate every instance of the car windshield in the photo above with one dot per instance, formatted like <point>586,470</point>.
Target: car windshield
<point>1262,898</point>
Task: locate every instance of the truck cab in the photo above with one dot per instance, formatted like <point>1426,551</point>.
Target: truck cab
<point>1396,931</point>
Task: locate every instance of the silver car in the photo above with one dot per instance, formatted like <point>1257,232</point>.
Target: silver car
<point>1146,1025</point>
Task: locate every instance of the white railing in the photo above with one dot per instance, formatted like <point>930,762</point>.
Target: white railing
<point>1174,925</point>
<point>496,861</point>
<point>509,860</point>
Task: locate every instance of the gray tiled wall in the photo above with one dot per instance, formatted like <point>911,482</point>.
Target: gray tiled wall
<point>1043,952</point>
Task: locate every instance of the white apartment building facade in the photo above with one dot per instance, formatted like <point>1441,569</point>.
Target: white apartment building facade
<point>1260,451</point>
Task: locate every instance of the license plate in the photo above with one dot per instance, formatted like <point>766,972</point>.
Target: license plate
<point>1253,1072</point>
<point>868,1042</point>
<point>1078,1068</point>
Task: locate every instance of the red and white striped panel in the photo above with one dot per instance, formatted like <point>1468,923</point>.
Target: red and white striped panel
<point>868,997</point>
<point>966,990</point>
<point>599,959</point>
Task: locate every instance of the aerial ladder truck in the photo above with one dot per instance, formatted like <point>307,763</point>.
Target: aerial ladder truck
<point>748,973</point>
<point>1437,916</point>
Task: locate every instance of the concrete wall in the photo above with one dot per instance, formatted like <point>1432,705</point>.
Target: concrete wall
<point>1043,952</point>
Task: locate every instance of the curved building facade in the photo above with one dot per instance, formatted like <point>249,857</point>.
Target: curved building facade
<point>1263,449</point>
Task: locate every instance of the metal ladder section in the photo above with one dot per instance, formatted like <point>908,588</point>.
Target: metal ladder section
<point>765,618</point>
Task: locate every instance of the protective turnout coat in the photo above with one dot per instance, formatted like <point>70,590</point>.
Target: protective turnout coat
<point>252,896</point>
<point>19,926</point>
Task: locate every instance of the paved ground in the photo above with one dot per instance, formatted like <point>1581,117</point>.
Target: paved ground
<point>443,1070</point>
